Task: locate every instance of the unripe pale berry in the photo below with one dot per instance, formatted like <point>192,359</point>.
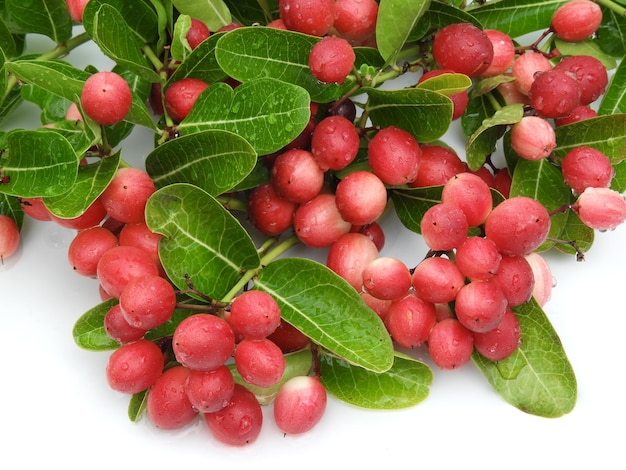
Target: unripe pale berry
<point>106,98</point>
<point>299,404</point>
<point>601,208</point>
<point>533,138</point>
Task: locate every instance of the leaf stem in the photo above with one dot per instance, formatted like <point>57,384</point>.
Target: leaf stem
<point>152,57</point>
<point>620,10</point>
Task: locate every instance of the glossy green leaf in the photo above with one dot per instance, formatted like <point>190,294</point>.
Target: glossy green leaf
<point>516,17</point>
<point>297,364</point>
<point>446,83</point>
<point>586,47</point>
<point>201,63</point>
<point>108,28</point>
<point>614,100</point>
<point>89,332</point>
<point>179,47</point>
<point>65,80</point>
<point>440,14</point>
<point>478,109</point>
<point>611,35</point>
<point>543,181</point>
<point>9,103</point>
<point>39,163</point>
<point>91,181</point>
<point>577,233</point>
<point>53,107</point>
<point>11,206</point>
<point>268,113</point>
<point>137,406</point>
<point>538,377</point>
<point>405,384</point>
<point>396,19</point>
<point>328,310</point>
<point>48,17</point>
<point>201,240</point>
<point>605,133</point>
<point>8,48</point>
<point>213,160</point>
<point>423,113</point>
<point>214,13</point>
<point>139,16</point>
<point>619,179</point>
<point>249,12</point>
<point>411,204</point>
<point>256,52</point>
<point>483,141</point>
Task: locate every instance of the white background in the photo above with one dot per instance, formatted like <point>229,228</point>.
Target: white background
<point>56,407</point>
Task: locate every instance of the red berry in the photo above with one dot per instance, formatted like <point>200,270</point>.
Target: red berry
<point>106,98</point>
<point>576,20</point>
<point>198,32</point>
<point>331,59</point>
<point>9,237</point>
<point>393,155</point>
<point>299,404</point>
<point>134,367</point>
<point>167,404</point>
<point>533,138</point>
<point>181,95</point>
<point>464,48</point>
<point>314,17</point>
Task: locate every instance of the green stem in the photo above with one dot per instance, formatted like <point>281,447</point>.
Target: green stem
<point>270,256</point>
<point>493,101</point>
<point>152,57</point>
<point>620,10</point>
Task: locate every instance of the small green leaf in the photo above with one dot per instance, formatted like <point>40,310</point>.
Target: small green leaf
<point>202,243</point>
<point>213,160</point>
<point>328,310</point>
<point>48,17</point>
<point>411,204</point>
<point>605,133</point>
<point>39,163</point>
<point>405,384</point>
<point>446,83</point>
<point>180,47</point>
<point>577,232</point>
<point>214,13</point>
<point>483,141</point>
<point>91,181</point>
<point>538,377</point>
<point>11,206</point>
<point>516,17</point>
<point>478,109</point>
<point>257,52</point>
<point>297,364</point>
<point>423,113</point>
<point>139,16</point>
<point>89,332</point>
<point>396,20</point>
<point>137,406</point>
<point>268,113</point>
<point>614,99</point>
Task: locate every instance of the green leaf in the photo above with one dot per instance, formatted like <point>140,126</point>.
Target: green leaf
<point>213,160</point>
<point>328,310</point>
<point>201,63</point>
<point>39,163</point>
<point>478,109</point>
<point>214,13</point>
<point>48,17</point>
<point>297,364</point>
<point>440,14</point>
<point>139,15</point>
<point>201,240</point>
<point>538,377</point>
<point>8,48</point>
<point>619,179</point>
<point>611,35</point>
<point>405,384</point>
<point>543,181</point>
<point>179,47</point>
<point>411,204</point>
<point>586,47</point>
<point>108,28</point>
<point>137,406</point>
<point>423,113</point>
<point>11,206</point>
<point>268,113</point>
<point>396,19</point>
<point>577,232</point>
<point>91,181</point>
<point>446,83</point>
<point>516,17</point>
<point>483,141</point>
<point>53,107</point>
<point>605,133</point>
<point>614,99</point>
<point>89,332</point>
<point>252,11</point>
<point>257,52</point>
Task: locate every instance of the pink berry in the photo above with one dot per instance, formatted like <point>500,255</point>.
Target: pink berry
<point>533,138</point>
<point>393,155</point>
<point>299,404</point>
<point>331,59</point>
<point>601,208</point>
<point>9,236</point>
<point>554,93</point>
<point>503,53</point>
<point>576,20</point>
<point>106,98</point>
<point>168,405</point>
<point>450,344</point>
<point>585,167</point>
<point>361,197</point>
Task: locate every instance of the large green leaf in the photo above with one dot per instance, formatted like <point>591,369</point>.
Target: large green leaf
<point>48,17</point>
<point>405,384</point>
<point>614,100</point>
<point>605,133</point>
<point>108,27</point>
<point>91,181</point>
<point>538,377</point>
<point>214,13</point>
<point>424,113</point>
<point>202,242</point>
<point>213,160</point>
<point>139,15</point>
<point>585,47</point>
<point>611,34</point>
<point>327,309</point>
<point>256,52</point>
<point>266,112</point>
<point>517,17</point>
<point>396,19</point>
<point>38,163</point>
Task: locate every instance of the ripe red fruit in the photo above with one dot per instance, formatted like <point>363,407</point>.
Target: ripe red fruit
<point>437,164</point>
<point>331,59</point>
<point>516,279</point>
<point>268,212</point>
<point>126,195</point>
<point>148,301</point>
<point>238,423</point>
<point>450,344</point>
<point>480,305</point>
<point>361,197</point>
<point>444,227</point>
<point>533,138</point>
<point>393,155</point>
<point>409,320</point>
<point>93,215</point>
<point>525,67</point>
<point>464,48</point>
<point>118,328</point>
<point>437,280</point>
<point>554,93</point>
<point>334,143</point>
<point>198,32</point>
<point>181,95</point>
<point>471,194</point>
<point>76,8</point>
<point>9,237</point>
<point>583,167</point>
<point>355,20</point>
<point>590,74</point>
<point>349,255</point>
<point>254,314</point>
<point>106,98</point>
<point>296,176</point>
<point>314,17</point>
<point>134,367</point>
<point>502,341</point>
<point>299,404</point>
<point>35,208</point>
<point>167,405</point>
<point>318,222</point>
<point>259,361</point>
<point>87,247</point>
<point>576,20</point>
<point>210,391</point>
<point>119,265</point>
<point>387,278</point>
<point>503,53</point>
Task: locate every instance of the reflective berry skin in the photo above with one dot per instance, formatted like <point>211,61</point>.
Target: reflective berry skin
<point>254,314</point>
<point>87,247</point>
<point>314,17</point>
<point>9,237</point>
<point>533,138</point>
<point>126,195</point>
<point>355,20</point>
<point>464,48</point>
<point>331,59</point>
<point>554,93</point>
<point>601,208</point>
<point>181,95</point>
<point>134,367</point>
<point>590,74</point>
<point>106,98</point>
<point>299,404</point>
<point>500,342</point>
<point>450,344</point>
<point>585,167</point>
<point>168,405</point>
<point>576,20</point>
<point>198,32</point>
<point>393,155</point>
